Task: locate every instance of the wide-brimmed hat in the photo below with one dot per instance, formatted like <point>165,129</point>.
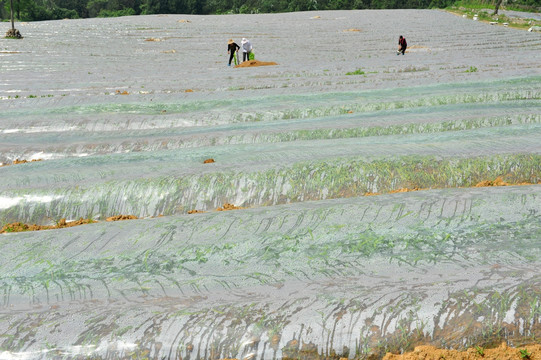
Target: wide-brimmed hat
<point>230,41</point>
<point>244,40</point>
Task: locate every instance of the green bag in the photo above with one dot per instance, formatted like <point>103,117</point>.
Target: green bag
<point>251,56</point>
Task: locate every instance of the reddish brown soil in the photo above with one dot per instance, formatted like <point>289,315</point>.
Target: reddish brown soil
<point>253,63</point>
<point>503,352</point>
<point>498,182</point>
<point>208,161</point>
<point>121,217</point>
<point>404,190</point>
<point>19,226</point>
<point>425,352</point>
<point>17,161</point>
<point>228,206</point>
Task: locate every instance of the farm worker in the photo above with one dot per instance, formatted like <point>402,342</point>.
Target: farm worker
<point>232,48</point>
<point>246,49</point>
<point>402,45</point>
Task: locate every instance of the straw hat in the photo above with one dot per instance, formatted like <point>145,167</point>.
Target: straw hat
<point>230,41</point>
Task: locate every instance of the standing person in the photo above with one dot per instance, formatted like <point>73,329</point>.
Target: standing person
<point>246,49</point>
<point>232,48</point>
<point>402,45</point>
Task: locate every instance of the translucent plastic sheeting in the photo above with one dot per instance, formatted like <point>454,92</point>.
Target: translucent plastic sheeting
<point>124,112</point>
<point>439,136</point>
<point>349,276</point>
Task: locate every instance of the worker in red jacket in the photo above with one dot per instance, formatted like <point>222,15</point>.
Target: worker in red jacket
<point>402,45</point>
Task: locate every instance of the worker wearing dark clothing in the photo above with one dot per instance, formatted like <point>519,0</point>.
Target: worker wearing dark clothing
<point>232,48</point>
<point>402,45</point>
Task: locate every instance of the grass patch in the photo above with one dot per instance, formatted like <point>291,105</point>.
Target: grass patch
<point>471,9</point>
<point>525,354</point>
<point>474,5</point>
<point>356,72</point>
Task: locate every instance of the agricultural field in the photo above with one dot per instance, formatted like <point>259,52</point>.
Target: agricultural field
<point>345,202</point>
